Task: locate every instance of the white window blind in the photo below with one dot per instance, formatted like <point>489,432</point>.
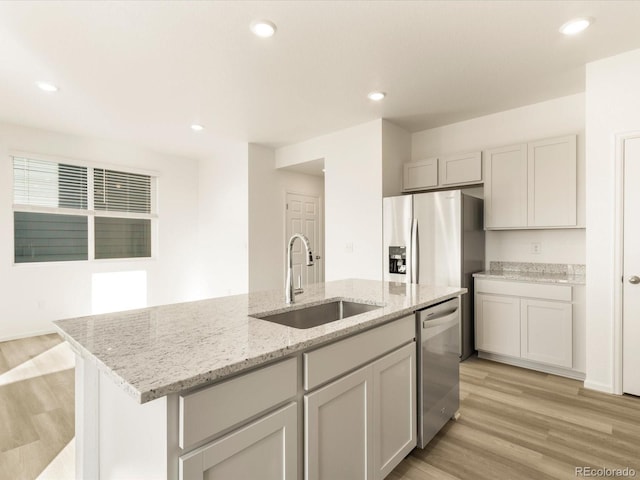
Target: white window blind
<point>121,191</point>
<point>52,220</point>
<point>49,184</point>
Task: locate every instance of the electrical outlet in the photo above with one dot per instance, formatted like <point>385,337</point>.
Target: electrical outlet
<point>348,247</point>
<point>536,248</point>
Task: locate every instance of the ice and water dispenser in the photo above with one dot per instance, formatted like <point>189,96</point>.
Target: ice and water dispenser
<point>398,260</point>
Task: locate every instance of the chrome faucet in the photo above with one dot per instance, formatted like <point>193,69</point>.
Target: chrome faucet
<point>288,288</point>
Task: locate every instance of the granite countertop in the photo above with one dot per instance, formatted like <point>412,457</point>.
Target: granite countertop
<point>535,277</point>
<point>156,351</point>
<point>535,272</point>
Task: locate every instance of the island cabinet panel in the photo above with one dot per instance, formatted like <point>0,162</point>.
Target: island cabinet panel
<point>329,362</point>
<point>394,409</point>
<point>337,433</point>
<point>362,425</point>
<point>212,410</point>
<point>265,449</point>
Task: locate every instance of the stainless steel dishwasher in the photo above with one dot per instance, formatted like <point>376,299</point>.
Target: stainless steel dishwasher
<point>438,367</point>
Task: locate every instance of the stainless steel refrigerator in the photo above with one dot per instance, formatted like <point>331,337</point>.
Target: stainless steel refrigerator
<point>436,238</point>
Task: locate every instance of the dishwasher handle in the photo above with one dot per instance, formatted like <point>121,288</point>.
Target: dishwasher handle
<point>450,316</point>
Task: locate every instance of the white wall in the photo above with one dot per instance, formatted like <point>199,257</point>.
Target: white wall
<point>561,116</point>
<point>556,246</point>
<point>612,107</point>
<point>353,197</point>
<point>223,220</point>
<point>32,295</point>
<point>267,193</point>
<point>396,151</point>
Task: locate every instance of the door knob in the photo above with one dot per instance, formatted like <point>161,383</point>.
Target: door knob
<point>635,280</point>
<point>318,257</point>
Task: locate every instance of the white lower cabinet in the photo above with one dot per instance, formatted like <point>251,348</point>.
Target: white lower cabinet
<point>547,332</point>
<point>337,433</point>
<point>265,449</point>
<point>497,330</point>
<point>394,409</point>
<point>362,425</point>
<point>531,325</point>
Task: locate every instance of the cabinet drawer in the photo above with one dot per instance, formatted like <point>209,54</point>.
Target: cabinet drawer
<point>523,289</point>
<point>338,358</point>
<point>210,411</point>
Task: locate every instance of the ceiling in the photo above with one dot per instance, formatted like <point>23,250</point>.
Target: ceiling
<point>143,72</point>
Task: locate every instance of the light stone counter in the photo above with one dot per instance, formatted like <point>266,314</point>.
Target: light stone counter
<point>535,272</point>
<point>157,351</point>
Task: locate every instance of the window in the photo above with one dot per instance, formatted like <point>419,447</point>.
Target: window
<point>68,212</point>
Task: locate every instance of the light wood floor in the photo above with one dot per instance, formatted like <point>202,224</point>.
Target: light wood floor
<point>36,405</point>
<point>514,424</point>
<point>520,424</point>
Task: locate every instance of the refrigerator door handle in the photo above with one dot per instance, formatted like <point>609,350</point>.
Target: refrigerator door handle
<point>415,253</point>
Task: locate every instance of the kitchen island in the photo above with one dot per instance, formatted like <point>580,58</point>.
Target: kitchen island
<point>158,388</point>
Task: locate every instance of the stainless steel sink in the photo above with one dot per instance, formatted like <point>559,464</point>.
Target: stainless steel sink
<point>308,317</point>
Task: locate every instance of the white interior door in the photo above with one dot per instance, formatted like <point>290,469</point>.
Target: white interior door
<point>631,269</point>
<point>304,216</point>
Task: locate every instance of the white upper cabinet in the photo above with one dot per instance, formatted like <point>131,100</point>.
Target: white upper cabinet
<point>460,169</point>
<point>420,175</point>
<point>531,185</point>
<point>446,171</point>
<point>505,187</point>
<point>552,182</point>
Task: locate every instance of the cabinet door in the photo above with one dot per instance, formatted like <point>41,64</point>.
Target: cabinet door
<point>394,409</point>
<point>547,332</point>
<point>338,436</point>
<point>505,187</point>
<point>420,175</point>
<point>552,182</point>
<point>265,449</point>
<point>498,324</point>
<point>460,169</point>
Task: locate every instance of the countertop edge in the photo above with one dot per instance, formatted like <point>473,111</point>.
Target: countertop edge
<point>232,369</point>
<point>526,278</point>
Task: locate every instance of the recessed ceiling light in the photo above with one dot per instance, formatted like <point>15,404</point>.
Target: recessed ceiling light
<point>47,87</point>
<point>263,28</point>
<point>196,127</point>
<point>376,96</point>
<point>576,25</point>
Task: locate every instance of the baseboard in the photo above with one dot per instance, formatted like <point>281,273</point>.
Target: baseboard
<point>27,335</point>
<point>598,386</point>
<point>540,367</point>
